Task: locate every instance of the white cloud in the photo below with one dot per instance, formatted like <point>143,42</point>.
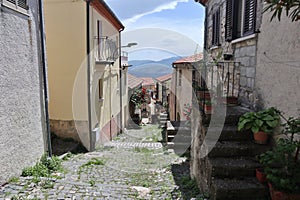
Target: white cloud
<point>138,9</point>
<point>160,40</point>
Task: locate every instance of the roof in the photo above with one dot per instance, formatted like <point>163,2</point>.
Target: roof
<point>203,2</point>
<point>164,78</point>
<point>190,59</point>
<point>106,12</point>
<point>147,81</point>
<point>134,82</point>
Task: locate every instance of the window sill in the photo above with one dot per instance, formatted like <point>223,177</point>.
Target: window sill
<point>101,100</point>
<point>13,8</point>
<point>244,38</point>
<point>214,47</point>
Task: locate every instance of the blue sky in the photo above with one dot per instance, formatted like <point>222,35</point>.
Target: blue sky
<point>162,28</point>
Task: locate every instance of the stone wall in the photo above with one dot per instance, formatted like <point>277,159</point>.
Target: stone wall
<point>64,129</point>
<point>21,102</point>
<point>243,50</point>
<point>278,65</point>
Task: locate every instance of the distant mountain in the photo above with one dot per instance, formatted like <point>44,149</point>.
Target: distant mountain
<point>150,68</point>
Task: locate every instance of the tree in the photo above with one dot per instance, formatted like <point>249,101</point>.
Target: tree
<point>291,8</point>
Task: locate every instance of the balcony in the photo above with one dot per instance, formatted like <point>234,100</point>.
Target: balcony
<point>215,82</point>
<point>124,58</point>
<point>106,50</point>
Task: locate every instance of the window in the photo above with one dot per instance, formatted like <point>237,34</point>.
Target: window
<point>216,28</point>
<point>180,77</point>
<point>99,38</point>
<point>100,84</point>
<point>240,18</point>
<point>18,5</point>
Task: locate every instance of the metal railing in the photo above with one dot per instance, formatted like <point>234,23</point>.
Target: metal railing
<point>221,79</point>
<point>106,49</point>
<point>226,75</point>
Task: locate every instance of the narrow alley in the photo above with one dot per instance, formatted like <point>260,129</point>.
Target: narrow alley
<point>133,166</point>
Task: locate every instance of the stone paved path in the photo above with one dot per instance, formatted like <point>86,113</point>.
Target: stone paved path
<point>134,166</point>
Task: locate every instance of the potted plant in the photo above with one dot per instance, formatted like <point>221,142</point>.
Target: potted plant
<point>207,107</point>
<point>260,123</point>
<point>282,164</point>
<point>282,167</point>
<point>230,100</point>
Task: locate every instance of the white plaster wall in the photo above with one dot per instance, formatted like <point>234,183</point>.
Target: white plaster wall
<point>184,92</point>
<point>21,133</point>
<point>278,65</point>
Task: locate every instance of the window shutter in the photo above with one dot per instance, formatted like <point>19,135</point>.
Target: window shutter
<point>249,17</point>
<point>205,33</point>
<point>229,20</point>
<point>22,4</point>
<point>216,28</point>
<point>213,29</point>
<point>217,42</point>
<point>12,1</point>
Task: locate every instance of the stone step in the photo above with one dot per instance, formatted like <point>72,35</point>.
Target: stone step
<point>237,149</point>
<point>179,148</point>
<point>170,138</point>
<point>232,167</point>
<point>233,114</point>
<point>230,133</point>
<point>229,189</point>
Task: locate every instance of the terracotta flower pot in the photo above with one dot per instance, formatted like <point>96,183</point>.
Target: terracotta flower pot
<point>261,176</point>
<point>261,137</point>
<point>204,95</point>
<point>207,109</point>
<point>278,195</point>
<point>230,100</point>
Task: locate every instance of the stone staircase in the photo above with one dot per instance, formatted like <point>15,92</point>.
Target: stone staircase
<point>229,169</point>
<point>178,136</point>
<point>163,117</point>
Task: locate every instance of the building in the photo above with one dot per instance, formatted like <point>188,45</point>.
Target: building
<point>268,74</point>
<point>84,56</point>
<point>182,85</point>
<point>23,70</point>
<point>163,87</point>
<point>134,83</point>
<point>263,71</point>
<point>148,84</point>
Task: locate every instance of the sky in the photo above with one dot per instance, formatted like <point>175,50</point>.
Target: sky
<point>162,28</point>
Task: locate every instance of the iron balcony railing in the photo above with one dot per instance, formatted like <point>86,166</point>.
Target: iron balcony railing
<point>106,49</point>
<point>215,81</point>
<point>124,58</point>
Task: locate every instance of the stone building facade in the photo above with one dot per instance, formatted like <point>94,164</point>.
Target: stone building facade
<point>236,41</point>
<point>22,127</point>
<point>269,57</point>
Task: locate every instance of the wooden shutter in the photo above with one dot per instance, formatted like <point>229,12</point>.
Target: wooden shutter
<point>205,33</point>
<point>229,20</point>
<point>213,29</point>
<point>22,4</point>
<point>249,17</point>
<point>218,24</point>
<point>100,39</point>
<point>216,28</point>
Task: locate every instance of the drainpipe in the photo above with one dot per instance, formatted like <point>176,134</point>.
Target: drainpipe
<point>44,71</point>
<point>174,66</point>
<point>120,92</point>
<point>89,73</point>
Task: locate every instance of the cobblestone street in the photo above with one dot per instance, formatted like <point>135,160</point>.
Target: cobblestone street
<point>133,166</point>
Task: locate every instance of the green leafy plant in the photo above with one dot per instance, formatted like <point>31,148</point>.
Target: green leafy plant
<point>139,97</point>
<point>265,120</point>
<point>208,103</point>
<point>282,166</point>
<point>291,8</point>
<point>44,168</point>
